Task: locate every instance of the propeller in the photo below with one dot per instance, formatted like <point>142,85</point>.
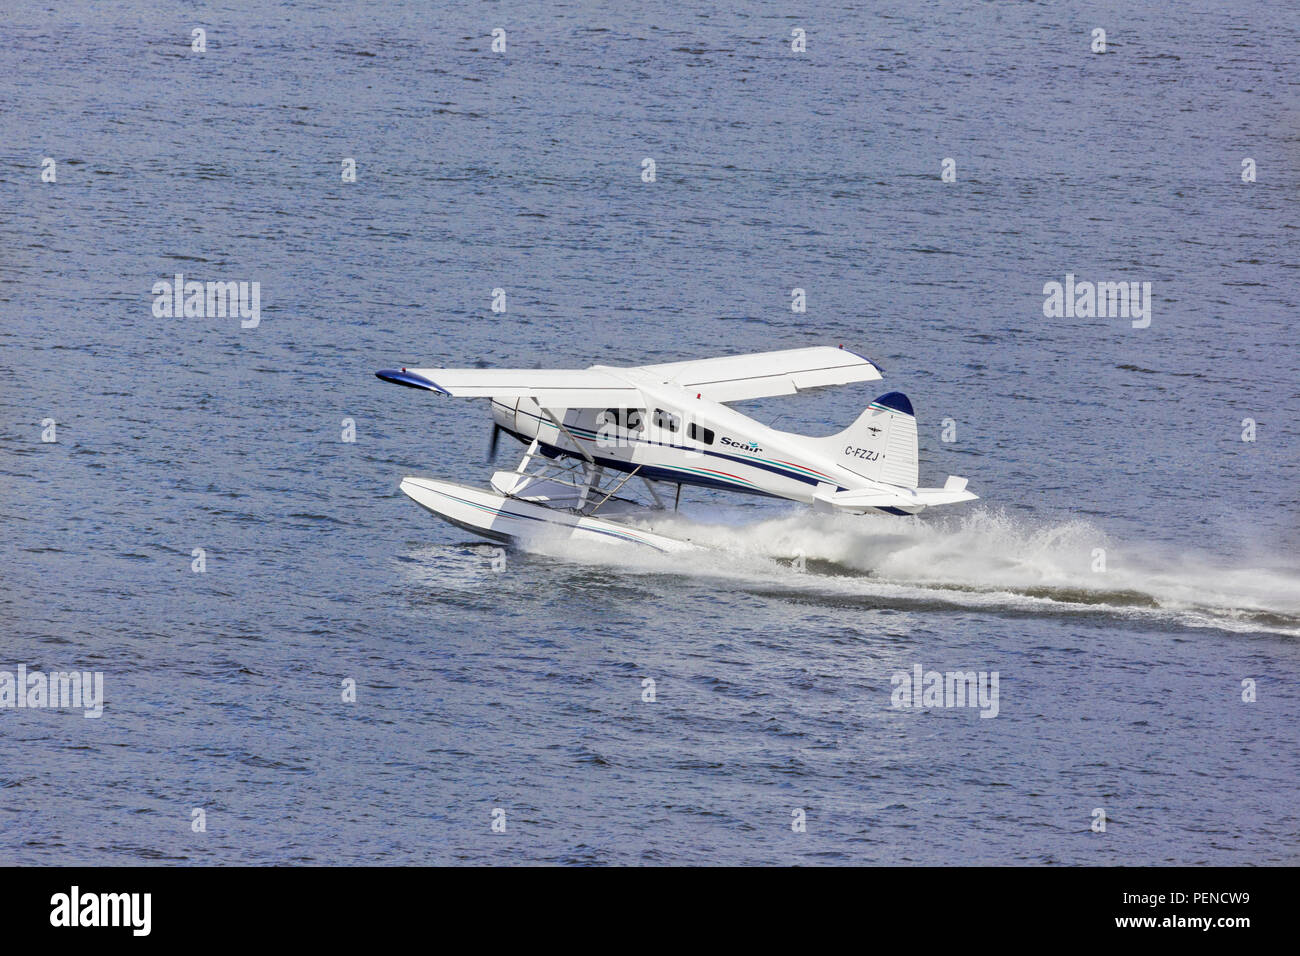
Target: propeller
<point>492,444</point>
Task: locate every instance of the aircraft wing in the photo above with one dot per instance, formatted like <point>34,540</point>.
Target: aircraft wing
<point>735,378</point>
<point>731,378</point>
<point>551,388</point>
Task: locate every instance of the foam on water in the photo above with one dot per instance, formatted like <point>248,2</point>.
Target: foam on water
<point>985,557</point>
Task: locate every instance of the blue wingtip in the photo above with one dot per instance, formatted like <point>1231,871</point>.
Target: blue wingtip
<point>400,376</point>
<point>878,366</point>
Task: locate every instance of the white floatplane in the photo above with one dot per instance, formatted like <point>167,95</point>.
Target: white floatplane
<point>589,433</point>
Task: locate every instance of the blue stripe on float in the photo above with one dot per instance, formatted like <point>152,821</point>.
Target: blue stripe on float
<point>501,512</point>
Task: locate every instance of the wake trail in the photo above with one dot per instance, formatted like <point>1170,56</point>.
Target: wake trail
<point>982,558</point>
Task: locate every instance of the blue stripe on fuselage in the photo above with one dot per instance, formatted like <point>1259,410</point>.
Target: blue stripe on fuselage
<point>624,466</point>
<point>651,472</point>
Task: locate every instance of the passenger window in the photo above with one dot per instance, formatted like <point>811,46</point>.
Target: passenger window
<point>666,420</point>
<point>700,434</point>
<point>627,418</point>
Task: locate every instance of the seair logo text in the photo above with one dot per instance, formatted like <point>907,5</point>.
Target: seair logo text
<point>749,446</point>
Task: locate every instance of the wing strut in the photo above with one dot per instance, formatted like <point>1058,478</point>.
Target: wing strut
<point>610,493</point>
<point>653,494</point>
<point>568,434</point>
<point>528,457</point>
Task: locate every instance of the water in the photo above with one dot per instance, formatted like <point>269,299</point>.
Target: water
<point>522,691</point>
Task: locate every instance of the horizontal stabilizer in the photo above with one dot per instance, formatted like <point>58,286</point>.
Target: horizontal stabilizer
<point>910,500</point>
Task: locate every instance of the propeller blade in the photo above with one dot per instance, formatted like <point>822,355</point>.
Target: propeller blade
<point>492,444</point>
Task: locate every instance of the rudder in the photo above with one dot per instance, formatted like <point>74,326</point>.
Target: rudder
<point>881,444</point>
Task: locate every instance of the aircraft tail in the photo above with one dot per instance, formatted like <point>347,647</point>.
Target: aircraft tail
<point>881,444</point>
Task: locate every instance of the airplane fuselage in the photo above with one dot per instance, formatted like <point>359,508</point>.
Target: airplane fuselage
<point>684,439</point>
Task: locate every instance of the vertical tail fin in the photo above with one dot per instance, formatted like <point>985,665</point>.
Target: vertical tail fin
<point>881,444</point>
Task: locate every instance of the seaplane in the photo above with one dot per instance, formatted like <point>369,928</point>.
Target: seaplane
<point>593,437</point>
